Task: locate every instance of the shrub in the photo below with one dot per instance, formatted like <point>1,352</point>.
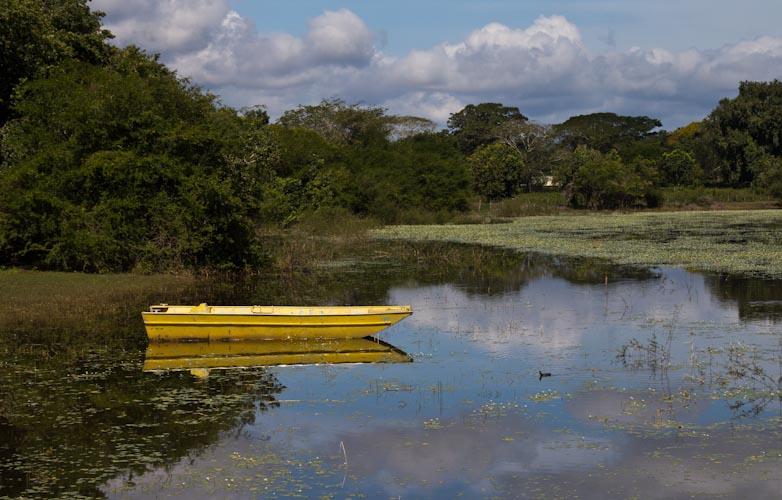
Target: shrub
<point>603,181</point>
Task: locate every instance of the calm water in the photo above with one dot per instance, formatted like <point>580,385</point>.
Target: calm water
<point>664,384</point>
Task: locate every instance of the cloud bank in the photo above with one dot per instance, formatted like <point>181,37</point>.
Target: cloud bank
<point>545,69</point>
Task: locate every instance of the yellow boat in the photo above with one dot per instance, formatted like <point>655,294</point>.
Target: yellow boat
<point>164,322</point>
<point>249,353</point>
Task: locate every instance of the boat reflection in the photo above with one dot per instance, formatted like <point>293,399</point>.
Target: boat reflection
<point>196,356</point>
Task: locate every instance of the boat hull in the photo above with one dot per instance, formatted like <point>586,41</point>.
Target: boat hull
<point>166,323</point>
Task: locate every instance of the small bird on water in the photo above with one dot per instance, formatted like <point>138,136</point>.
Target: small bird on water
<point>543,374</point>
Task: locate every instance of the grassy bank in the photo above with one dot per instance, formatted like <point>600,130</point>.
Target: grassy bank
<point>736,241</point>
<point>46,305</point>
<point>673,198</point>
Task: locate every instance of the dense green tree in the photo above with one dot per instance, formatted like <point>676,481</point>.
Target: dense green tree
<point>497,171</point>
<point>302,148</point>
<point>476,125</point>
<point>770,177</point>
<point>679,168</point>
<point>108,170</point>
<point>604,131</point>
<point>36,35</point>
<point>745,131</point>
<point>604,181</point>
<point>424,173</point>
<point>257,115</point>
<point>367,162</point>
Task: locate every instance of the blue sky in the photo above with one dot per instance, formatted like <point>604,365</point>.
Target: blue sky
<point>669,59</point>
<point>409,24</point>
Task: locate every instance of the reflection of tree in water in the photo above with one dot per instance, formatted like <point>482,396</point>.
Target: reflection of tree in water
<point>68,428</point>
<point>367,276</point>
<point>756,298</point>
<point>489,271</point>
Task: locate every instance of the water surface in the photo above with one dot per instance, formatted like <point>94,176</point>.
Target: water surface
<point>663,384</point>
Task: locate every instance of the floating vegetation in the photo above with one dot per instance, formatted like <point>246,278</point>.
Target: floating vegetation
<point>495,410</point>
<point>738,242</point>
<point>544,396</point>
<point>108,406</point>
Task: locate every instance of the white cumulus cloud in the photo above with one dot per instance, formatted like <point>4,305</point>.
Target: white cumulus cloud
<point>165,26</point>
<point>545,69</point>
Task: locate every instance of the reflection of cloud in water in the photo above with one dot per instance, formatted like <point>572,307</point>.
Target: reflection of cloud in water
<point>637,409</point>
<point>552,313</point>
<point>512,455</point>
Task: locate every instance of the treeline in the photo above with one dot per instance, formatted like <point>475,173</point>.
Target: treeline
<point>109,161</point>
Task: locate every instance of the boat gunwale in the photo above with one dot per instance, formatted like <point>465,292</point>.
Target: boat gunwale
<point>280,311</point>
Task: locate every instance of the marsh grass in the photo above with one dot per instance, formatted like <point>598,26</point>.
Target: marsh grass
<point>319,240</point>
<point>735,242</point>
<point>703,197</point>
<point>36,305</point>
<point>555,203</point>
<point>525,204</point>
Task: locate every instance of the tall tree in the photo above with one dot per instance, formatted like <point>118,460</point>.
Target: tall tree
<point>534,143</point>
<point>108,170</point>
<point>679,168</point>
<point>497,171</point>
<point>746,132</point>
<point>35,35</point>
<point>476,125</point>
<point>604,131</point>
<point>341,123</point>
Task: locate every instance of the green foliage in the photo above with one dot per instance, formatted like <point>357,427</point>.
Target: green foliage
<point>384,179</point>
<point>745,131</point>
<point>536,145</point>
<point>301,148</point>
<point>110,170</point>
<point>36,35</point>
<point>110,162</point>
<point>476,125</point>
<point>605,131</point>
<point>770,177</point>
<point>711,197</point>
<point>604,181</point>
<point>497,171</point>
<point>678,168</point>
<point>425,172</point>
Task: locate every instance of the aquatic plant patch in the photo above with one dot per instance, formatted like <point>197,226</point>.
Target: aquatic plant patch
<point>736,242</point>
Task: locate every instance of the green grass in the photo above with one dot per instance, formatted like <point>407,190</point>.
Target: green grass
<point>34,302</point>
<point>736,242</point>
<point>715,198</point>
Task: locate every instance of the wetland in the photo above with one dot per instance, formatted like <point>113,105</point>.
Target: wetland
<point>664,383</point>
